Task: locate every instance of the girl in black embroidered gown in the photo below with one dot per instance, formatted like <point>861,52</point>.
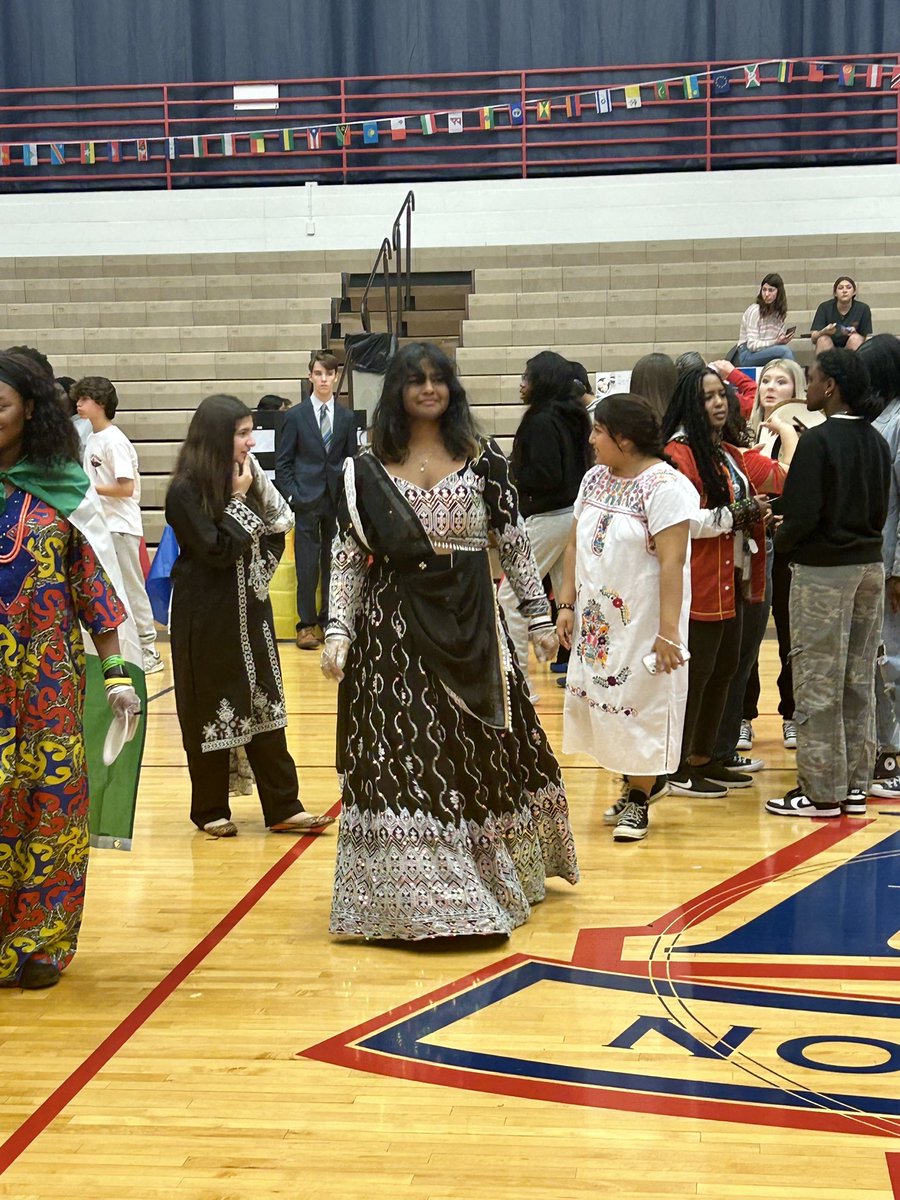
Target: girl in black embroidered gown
<point>454,811</point>
<point>230,523</point>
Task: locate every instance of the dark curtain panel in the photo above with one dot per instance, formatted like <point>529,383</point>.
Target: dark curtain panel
<point>47,43</point>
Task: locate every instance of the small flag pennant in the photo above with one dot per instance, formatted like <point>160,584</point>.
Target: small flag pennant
<point>847,77</point>
<point>398,129</point>
<point>486,118</point>
<point>454,122</point>
<point>785,72</point>
<point>57,153</point>
<point>543,110</point>
<point>895,76</point>
<point>874,75</point>
<point>30,154</point>
<point>661,89</point>
<point>721,83</point>
<point>427,122</point>
<point>88,155</point>
<point>228,145</point>
<point>633,96</point>
<point>314,138</point>
<point>691,87</point>
<point>142,154</point>
<point>751,76</point>
<point>287,139</point>
<point>171,146</point>
<point>4,155</point>
<point>516,114</point>
<point>816,72</point>
<point>114,151</point>
<point>342,134</point>
<point>603,100</point>
<point>370,133</point>
<point>573,106</point>
<point>257,143</point>
<point>198,147</point>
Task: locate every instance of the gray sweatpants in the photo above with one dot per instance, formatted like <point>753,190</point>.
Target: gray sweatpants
<point>836,615</point>
<point>135,599</point>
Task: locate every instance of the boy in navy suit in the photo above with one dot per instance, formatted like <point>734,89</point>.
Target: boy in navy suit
<point>317,435</point>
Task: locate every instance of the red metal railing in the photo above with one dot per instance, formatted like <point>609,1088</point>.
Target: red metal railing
<point>797,122</point>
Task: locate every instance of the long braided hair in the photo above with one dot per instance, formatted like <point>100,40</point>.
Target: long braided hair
<point>687,411</point>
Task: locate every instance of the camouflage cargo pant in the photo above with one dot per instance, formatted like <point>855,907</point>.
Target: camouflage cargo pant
<point>836,615</point>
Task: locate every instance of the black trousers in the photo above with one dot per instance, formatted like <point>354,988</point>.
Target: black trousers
<point>276,781</point>
<point>313,534</point>
<point>715,648</point>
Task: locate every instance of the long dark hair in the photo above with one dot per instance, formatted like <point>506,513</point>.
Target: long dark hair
<point>206,458</point>
<point>881,354</point>
<point>654,377</point>
<point>779,304</point>
<point>390,422</point>
<point>627,415</point>
<point>550,380</point>
<point>49,438</point>
<point>851,375</point>
<point>687,411</point>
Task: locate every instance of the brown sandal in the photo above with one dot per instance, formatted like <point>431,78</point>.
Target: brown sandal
<point>226,829</point>
<point>307,823</point>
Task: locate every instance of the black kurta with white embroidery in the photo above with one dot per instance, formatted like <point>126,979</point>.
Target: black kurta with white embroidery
<point>227,675</point>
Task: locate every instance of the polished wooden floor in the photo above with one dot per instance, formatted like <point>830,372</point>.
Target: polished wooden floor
<point>204,1043</point>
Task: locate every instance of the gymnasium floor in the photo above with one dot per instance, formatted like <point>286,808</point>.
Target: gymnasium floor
<point>710,1013</point>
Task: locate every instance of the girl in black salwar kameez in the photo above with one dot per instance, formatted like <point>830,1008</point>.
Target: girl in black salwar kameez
<point>230,523</point>
<point>454,811</point>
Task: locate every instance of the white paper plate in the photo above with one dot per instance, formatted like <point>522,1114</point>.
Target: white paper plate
<point>121,730</point>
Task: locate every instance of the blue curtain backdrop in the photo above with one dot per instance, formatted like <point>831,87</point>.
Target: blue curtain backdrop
<point>62,42</point>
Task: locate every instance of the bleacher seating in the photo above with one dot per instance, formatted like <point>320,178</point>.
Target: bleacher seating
<point>170,329</point>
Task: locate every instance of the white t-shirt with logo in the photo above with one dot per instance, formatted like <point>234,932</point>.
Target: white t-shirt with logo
<point>109,457</point>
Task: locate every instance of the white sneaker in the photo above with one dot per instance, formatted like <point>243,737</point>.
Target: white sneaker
<point>152,662</point>
<point>789,734</point>
<point>796,804</point>
<point>745,741</point>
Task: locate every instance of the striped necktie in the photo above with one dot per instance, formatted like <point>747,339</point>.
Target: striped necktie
<point>325,425</point>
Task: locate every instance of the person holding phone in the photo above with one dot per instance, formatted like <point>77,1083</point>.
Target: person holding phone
<point>230,524</point>
<point>843,321</point>
<point>625,598</point>
<point>765,334</point>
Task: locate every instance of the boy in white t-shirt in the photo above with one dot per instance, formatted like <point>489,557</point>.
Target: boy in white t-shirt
<point>112,467</point>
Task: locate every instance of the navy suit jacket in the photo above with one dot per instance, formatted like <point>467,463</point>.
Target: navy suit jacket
<point>305,474</point>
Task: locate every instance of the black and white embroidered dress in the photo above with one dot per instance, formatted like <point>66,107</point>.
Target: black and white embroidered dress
<point>228,685</point>
<point>454,810</point>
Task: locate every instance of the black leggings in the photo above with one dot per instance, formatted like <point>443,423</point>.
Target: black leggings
<point>715,648</point>
<point>276,780</point>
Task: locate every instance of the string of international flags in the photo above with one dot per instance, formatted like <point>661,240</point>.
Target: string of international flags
<point>602,100</point>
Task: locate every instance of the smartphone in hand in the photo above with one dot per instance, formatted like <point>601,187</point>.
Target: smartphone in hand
<point>649,660</point>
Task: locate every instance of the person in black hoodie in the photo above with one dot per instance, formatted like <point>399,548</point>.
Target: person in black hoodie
<point>550,455</point>
<point>835,506</point>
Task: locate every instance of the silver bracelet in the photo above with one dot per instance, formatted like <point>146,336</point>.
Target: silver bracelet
<point>677,645</point>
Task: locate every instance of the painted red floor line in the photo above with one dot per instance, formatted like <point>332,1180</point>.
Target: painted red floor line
<point>34,1125</point>
<point>893,1165</point>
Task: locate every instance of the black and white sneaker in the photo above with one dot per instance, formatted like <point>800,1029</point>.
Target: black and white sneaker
<point>659,789</point>
<point>633,821</point>
<point>796,803</point>
<point>888,789</point>
<point>718,772</point>
<point>745,738</point>
<point>855,804</point>
<point>692,781</point>
<point>738,762</point>
<point>789,735</point>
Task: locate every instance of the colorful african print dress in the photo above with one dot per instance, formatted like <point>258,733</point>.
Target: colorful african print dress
<point>50,579</point>
<point>627,719</point>
<point>454,811</point>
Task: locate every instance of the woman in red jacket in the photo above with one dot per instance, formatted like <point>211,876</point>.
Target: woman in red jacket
<point>727,563</point>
